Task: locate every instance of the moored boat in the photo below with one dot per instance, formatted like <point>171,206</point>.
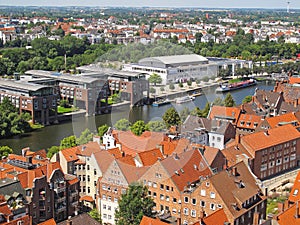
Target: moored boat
<point>184,99</point>
<point>234,86</point>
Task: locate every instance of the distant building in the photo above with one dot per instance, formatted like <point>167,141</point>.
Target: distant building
<point>175,68</point>
<point>38,100</point>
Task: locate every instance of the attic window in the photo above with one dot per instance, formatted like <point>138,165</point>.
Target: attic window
<point>295,192</point>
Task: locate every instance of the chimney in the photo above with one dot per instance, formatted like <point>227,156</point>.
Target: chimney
<point>24,151</point>
<point>256,218</point>
<point>69,221</point>
<point>242,108</point>
<point>297,213</point>
<point>296,103</point>
<point>178,221</point>
<point>238,139</point>
<point>234,171</point>
<point>29,159</point>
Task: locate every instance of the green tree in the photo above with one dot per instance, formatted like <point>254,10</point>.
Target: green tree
<point>122,124</point>
<point>133,205</point>
<point>85,137</point>
<point>5,151</point>
<point>138,127</point>
<point>171,87</point>
<point>247,99</point>
<point>171,117</point>
<point>68,142</point>
<point>218,101</point>
<point>162,89</point>
<point>206,110</point>
<point>184,113</point>
<point>156,126</point>
<point>52,150</point>
<point>102,130</point>
<point>180,85</point>
<point>196,112</point>
<point>229,101</point>
<point>95,214</point>
<point>152,90</point>
<point>155,79</point>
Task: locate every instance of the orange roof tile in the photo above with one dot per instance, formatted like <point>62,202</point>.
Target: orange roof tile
<point>132,144</point>
<point>128,159</point>
<point>148,158</point>
<point>295,192</point>
<point>217,218</point>
<point>48,222</point>
<point>150,221</point>
<point>86,198</point>
<point>248,121</point>
<point>288,117</point>
<point>70,154</point>
<point>288,217</point>
<point>186,168</point>
<point>222,111</point>
<point>264,139</point>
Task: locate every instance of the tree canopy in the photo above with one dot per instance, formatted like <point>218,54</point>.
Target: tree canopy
<point>133,205</point>
<point>138,127</point>
<point>229,101</point>
<point>122,124</point>
<point>155,79</point>
<point>85,137</point>
<point>68,142</point>
<point>171,117</point>
<point>156,126</point>
<point>247,99</point>
<point>5,151</point>
<point>11,122</point>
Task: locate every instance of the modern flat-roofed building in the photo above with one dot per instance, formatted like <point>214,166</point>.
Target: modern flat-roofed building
<point>39,100</point>
<point>179,68</point>
<point>83,91</point>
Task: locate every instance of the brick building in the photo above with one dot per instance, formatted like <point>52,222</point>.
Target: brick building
<point>38,100</point>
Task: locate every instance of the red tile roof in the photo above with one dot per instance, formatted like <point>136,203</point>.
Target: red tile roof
<point>132,144</point>
<point>150,221</point>
<point>86,198</point>
<point>264,139</point>
<point>48,222</point>
<point>217,218</point>
<point>186,168</point>
<point>222,111</point>
<point>150,157</point>
<point>248,121</point>
<point>295,192</point>
<point>288,217</point>
<point>285,118</point>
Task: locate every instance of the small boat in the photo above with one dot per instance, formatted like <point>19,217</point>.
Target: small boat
<point>234,86</point>
<point>195,94</point>
<point>161,102</point>
<point>184,99</point>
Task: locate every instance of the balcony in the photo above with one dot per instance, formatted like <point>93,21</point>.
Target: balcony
<point>74,194</point>
<point>61,209</point>
<point>59,189</point>
<point>61,199</point>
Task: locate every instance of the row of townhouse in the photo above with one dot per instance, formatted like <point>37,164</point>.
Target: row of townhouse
<point>35,187</point>
<point>175,172</point>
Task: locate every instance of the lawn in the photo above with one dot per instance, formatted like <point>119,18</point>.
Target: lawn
<point>234,80</point>
<point>272,204</point>
<point>62,110</point>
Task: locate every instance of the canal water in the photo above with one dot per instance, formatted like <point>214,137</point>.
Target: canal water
<point>51,135</point>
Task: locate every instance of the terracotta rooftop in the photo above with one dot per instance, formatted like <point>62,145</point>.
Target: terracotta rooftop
<point>281,119</point>
<point>186,168</point>
<point>235,153</point>
<point>295,192</point>
<point>132,144</point>
<point>103,159</point>
<point>265,139</point>
<point>80,219</point>
<point>130,172</point>
<point>150,157</point>
<point>217,218</point>
<point>151,221</point>
<point>231,113</point>
<point>288,217</point>
<point>48,222</point>
<point>248,121</point>
<point>86,198</point>
<point>234,193</point>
